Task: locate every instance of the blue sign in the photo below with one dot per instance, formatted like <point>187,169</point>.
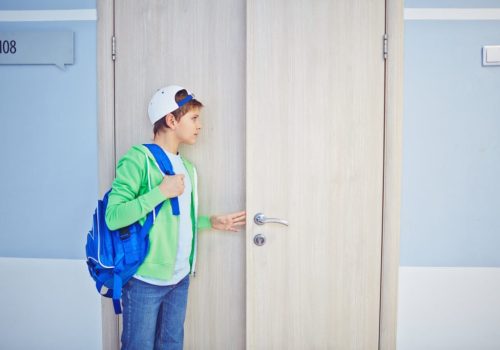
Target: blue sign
<point>37,48</point>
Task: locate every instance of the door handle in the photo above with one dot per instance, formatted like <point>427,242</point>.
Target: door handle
<point>261,219</point>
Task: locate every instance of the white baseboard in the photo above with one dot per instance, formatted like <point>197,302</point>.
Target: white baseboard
<point>48,304</point>
<point>449,308</point>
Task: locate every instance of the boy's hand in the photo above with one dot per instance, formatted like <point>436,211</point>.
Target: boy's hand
<point>172,186</point>
<point>228,222</point>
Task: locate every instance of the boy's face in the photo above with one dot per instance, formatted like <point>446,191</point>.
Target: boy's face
<point>188,127</point>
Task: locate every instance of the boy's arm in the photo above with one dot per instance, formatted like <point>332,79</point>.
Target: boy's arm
<point>124,207</point>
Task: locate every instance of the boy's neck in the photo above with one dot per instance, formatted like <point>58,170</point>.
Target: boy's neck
<point>168,143</point>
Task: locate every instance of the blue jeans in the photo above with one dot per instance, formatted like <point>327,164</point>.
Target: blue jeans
<point>153,316</point>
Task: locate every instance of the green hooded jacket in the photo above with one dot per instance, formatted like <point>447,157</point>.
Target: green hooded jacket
<point>135,192</point>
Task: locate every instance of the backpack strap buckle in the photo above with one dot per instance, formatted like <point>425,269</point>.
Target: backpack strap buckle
<point>124,233</point>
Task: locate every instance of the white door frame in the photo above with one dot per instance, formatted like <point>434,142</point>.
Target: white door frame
<point>106,141</point>
<point>392,174</point>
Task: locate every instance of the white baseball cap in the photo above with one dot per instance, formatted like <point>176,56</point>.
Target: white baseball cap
<point>163,102</point>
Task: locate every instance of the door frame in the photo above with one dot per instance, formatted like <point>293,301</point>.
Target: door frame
<point>393,147</point>
<point>392,161</point>
<point>106,141</point>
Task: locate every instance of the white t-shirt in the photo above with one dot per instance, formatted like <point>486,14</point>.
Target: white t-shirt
<point>182,266</point>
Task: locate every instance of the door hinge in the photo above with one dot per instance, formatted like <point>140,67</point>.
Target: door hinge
<point>113,48</point>
<point>386,46</point>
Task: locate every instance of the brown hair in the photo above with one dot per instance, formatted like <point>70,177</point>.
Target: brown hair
<point>179,112</point>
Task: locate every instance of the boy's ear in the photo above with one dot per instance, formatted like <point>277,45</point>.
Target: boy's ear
<point>170,120</point>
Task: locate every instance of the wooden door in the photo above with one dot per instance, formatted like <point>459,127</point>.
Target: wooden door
<point>315,136</point>
<point>199,45</point>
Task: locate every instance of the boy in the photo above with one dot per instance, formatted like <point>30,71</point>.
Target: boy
<point>155,299</point>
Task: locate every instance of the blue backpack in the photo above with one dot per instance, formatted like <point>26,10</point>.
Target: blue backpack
<point>113,257</point>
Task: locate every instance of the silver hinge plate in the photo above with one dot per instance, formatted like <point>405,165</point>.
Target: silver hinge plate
<point>113,48</point>
<point>386,46</point>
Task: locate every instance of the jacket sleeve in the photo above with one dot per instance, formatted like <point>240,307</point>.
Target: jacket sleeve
<point>125,206</point>
<point>204,222</point>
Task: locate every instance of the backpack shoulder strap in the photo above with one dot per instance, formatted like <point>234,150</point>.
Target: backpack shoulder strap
<point>166,167</point>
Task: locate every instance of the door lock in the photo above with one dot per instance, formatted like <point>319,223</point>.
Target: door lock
<point>259,240</point>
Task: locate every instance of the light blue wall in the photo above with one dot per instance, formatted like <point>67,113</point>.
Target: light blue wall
<point>450,222</point>
<point>48,184</point>
<point>48,138</point>
<point>450,212</point>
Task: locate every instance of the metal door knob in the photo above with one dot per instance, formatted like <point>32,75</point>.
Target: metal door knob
<point>261,219</point>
